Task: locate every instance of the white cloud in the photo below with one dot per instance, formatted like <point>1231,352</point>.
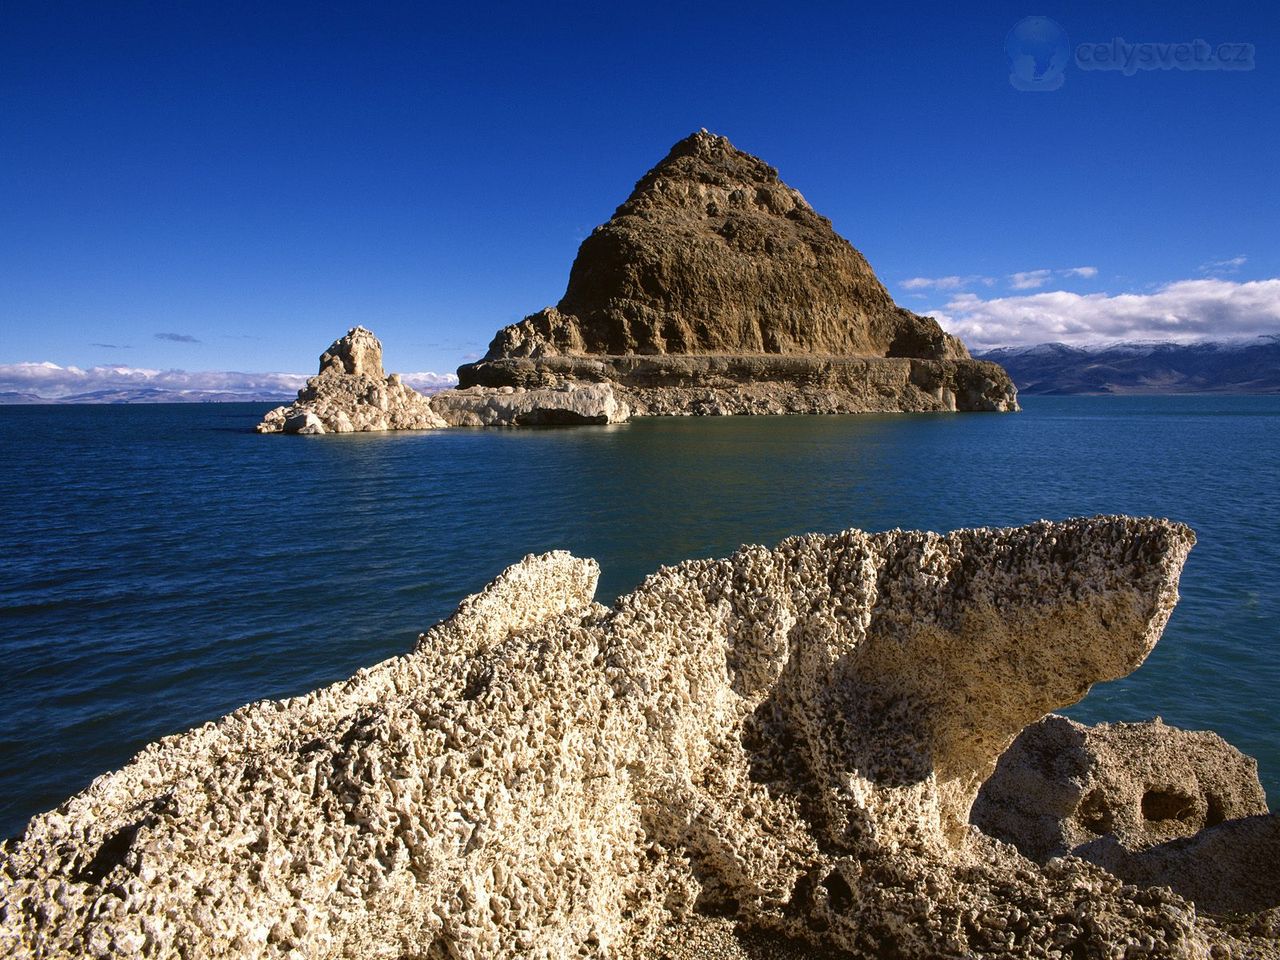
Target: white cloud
<point>1023,280</point>
<point>1029,279</point>
<point>1183,311</point>
<point>1231,265</point>
<point>428,382</point>
<point>53,382</point>
<point>945,283</point>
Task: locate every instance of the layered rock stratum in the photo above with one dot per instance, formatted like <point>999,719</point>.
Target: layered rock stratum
<point>781,744</point>
<point>715,279</point>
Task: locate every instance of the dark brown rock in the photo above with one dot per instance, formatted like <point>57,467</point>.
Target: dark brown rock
<point>713,255</point>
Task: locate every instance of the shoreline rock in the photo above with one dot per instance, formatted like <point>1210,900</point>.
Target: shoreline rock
<point>790,738</point>
<point>727,385</point>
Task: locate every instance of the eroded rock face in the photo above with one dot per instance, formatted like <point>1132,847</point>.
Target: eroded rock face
<point>737,385</point>
<point>791,736</point>
<point>713,255</point>
<point>352,394</point>
<point>358,354</point>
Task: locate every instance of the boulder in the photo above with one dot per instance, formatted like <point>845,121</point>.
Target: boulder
<point>1062,785</point>
<point>304,422</point>
<point>1150,803</point>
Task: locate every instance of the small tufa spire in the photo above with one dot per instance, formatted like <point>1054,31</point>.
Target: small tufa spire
<point>358,353</point>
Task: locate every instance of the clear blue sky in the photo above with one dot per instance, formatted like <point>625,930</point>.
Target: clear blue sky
<point>257,177</point>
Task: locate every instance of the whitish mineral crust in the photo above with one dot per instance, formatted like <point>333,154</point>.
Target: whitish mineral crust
<point>790,738</point>
<point>564,404</point>
<point>352,394</point>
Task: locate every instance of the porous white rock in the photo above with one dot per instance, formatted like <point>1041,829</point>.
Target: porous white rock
<point>789,736</point>
<point>1062,785</point>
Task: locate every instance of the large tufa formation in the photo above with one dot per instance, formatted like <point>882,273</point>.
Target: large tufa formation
<point>351,394</point>
<point>788,737</point>
<point>713,256</point>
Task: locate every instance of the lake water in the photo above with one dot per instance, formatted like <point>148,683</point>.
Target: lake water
<point>162,565</point>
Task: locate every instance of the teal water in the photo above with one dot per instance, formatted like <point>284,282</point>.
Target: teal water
<point>162,565</point>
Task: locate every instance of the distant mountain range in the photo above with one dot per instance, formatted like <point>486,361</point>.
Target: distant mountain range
<point>1228,366</point>
<point>148,395</point>
<point>1243,366</point>
<point>26,383</point>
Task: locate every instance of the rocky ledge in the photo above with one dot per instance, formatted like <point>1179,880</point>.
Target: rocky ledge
<point>782,744</point>
<point>756,384</point>
<point>717,288</point>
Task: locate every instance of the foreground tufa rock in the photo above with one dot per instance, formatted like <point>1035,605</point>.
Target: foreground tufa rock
<point>790,737</point>
<point>713,256</point>
<point>352,394</point>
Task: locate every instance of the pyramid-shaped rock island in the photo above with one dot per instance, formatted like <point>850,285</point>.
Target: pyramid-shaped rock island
<point>714,289</point>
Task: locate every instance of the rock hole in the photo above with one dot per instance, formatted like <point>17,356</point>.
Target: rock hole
<point>838,892</point>
<point>1217,812</point>
<point>1167,805</point>
<point>478,682</point>
<point>1094,814</point>
<point>110,855</point>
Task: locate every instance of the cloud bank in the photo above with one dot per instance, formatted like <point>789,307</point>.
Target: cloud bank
<point>1024,280</point>
<point>1216,267</point>
<point>50,381</point>
<point>1182,312</point>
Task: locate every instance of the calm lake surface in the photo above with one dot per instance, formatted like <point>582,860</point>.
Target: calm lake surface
<point>162,565</point>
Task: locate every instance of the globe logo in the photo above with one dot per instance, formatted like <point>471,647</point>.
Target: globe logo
<point>1038,52</point>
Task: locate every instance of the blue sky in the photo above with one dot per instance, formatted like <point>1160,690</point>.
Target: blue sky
<point>230,186</point>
